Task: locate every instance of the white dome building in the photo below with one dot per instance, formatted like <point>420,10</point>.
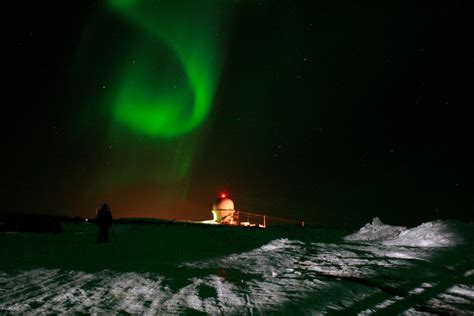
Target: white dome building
<point>223,211</point>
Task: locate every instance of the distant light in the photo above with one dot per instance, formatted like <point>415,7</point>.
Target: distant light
<point>87,219</point>
<point>223,195</point>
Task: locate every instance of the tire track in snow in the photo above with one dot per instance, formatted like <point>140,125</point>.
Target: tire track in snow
<point>27,277</point>
<point>33,283</point>
<point>35,299</point>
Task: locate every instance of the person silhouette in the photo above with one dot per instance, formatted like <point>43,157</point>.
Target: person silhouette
<point>104,221</point>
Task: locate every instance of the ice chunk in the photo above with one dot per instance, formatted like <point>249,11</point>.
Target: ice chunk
<point>376,222</point>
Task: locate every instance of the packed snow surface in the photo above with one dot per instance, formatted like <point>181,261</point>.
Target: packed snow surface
<point>183,269</point>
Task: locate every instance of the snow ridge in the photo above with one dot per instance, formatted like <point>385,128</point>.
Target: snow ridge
<point>431,234</point>
<point>376,231</point>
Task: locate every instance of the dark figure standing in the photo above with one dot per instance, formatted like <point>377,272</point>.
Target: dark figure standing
<point>104,221</point>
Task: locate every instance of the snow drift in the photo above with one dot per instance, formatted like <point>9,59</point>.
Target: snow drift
<point>431,234</point>
<point>376,231</point>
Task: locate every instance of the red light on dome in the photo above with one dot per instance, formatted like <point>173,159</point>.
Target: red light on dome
<point>223,195</point>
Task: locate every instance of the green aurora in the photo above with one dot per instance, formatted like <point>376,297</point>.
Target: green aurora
<point>178,99</point>
<point>162,77</point>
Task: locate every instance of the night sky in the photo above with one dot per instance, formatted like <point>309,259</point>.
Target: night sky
<point>329,111</point>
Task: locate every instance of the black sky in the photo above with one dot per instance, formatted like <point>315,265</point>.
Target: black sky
<point>331,111</point>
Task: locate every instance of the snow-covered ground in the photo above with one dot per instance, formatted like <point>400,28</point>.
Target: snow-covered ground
<point>379,269</point>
